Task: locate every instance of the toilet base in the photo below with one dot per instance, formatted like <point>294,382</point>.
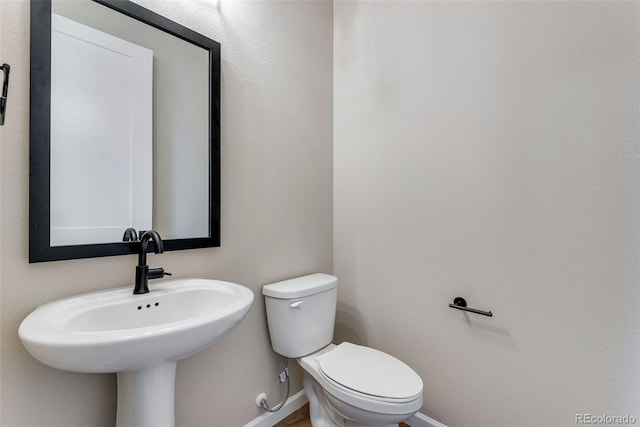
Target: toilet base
<point>320,413</point>
<point>356,417</point>
<point>349,424</point>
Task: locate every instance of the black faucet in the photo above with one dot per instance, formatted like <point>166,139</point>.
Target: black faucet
<point>143,272</point>
<point>130,235</point>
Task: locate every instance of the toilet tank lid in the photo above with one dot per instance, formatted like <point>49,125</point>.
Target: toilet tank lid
<point>301,286</point>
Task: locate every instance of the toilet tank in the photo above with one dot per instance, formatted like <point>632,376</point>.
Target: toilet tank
<point>301,313</point>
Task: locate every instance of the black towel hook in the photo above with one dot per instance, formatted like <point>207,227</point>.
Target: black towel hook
<point>461,304</point>
<point>5,89</point>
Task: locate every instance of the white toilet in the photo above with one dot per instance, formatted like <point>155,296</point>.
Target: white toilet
<point>347,384</point>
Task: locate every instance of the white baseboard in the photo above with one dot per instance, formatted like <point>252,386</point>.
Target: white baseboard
<point>298,400</point>
<point>269,419</point>
<point>421,420</point>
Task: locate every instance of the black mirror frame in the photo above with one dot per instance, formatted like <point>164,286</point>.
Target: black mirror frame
<point>40,248</point>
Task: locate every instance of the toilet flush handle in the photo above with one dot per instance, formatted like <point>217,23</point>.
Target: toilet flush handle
<point>297,304</point>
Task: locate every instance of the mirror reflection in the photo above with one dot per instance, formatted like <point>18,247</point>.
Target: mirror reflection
<point>129,128</point>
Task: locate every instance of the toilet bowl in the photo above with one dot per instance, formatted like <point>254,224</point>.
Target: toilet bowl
<point>362,385</point>
<point>346,384</point>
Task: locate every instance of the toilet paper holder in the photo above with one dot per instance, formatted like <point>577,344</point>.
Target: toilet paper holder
<point>5,68</point>
<point>461,304</point>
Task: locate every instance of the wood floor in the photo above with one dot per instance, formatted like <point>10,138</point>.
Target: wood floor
<point>300,418</point>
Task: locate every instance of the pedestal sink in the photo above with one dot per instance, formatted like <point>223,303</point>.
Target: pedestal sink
<point>139,337</point>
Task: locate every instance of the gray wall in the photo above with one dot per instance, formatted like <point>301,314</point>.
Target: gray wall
<point>276,213</point>
<point>490,150</point>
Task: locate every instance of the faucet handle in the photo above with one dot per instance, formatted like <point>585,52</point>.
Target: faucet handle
<point>157,273</point>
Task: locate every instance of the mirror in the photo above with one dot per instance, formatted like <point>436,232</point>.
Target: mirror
<point>125,131</point>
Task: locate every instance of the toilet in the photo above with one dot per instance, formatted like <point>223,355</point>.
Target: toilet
<point>346,384</point>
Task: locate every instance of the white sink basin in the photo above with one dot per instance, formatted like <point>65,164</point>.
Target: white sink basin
<point>116,331</point>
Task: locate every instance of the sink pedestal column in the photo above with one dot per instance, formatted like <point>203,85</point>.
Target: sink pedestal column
<point>146,396</point>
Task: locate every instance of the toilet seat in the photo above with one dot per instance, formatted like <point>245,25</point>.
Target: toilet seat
<point>370,372</point>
